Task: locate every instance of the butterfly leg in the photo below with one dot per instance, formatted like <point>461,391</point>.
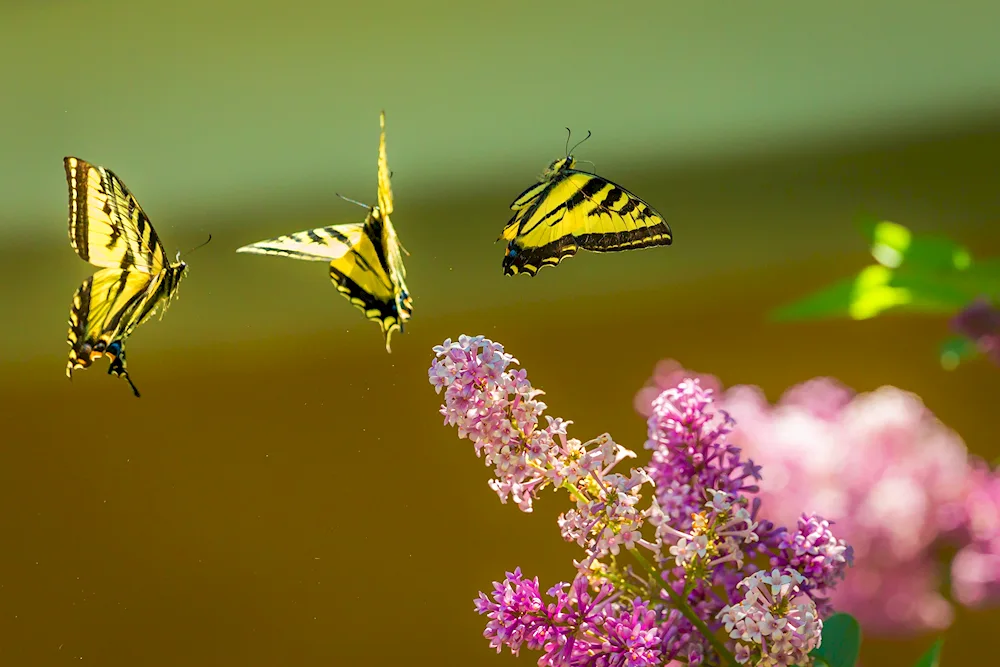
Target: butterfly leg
<point>116,352</point>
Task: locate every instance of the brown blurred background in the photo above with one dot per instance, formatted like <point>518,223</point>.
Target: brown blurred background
<point>284,492</point>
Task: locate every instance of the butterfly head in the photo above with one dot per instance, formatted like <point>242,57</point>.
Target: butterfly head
<point>559,165</point>
<point>567,162</point>
<point>177,271</point>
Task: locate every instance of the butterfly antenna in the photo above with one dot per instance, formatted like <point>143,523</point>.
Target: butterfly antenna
<point>353,201</point>
<point>196,247</point>
<point>575,146</point>
<point>569,133</point>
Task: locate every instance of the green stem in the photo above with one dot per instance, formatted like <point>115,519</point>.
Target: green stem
<point>679,602</point>
<point>682,606</point>
<point>573,491</point>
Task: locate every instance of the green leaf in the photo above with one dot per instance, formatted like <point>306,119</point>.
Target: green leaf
<point>841,641</point>
<point>829,302</point>
<point>983,277</point>
<point>932,657</point>
<point>928,293</point>
<point>892,245</point>
<point>889,242</point>
<point>875,290</point>
<point>955,350</point>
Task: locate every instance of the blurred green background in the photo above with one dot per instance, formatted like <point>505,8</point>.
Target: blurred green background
<point>284,493</point>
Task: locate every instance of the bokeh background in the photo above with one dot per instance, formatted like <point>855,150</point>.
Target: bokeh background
<point>284,492</point>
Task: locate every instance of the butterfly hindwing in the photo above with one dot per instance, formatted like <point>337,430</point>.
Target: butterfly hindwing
<point>108,228</point>
<point>102,309</point>
<point>365,277</point>
<point>569,210</point>
<point>116,351</point>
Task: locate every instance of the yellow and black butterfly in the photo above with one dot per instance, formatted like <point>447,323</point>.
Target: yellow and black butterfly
<point>366,263</point>
<point>570,209</point>
<point>108,228</point>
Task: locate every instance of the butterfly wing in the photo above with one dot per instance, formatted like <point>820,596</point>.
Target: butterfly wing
<point>384,186</point>
<point>380,226</point>
<point>363,277</point>
<point>107,227</point>
<point>102,315</point>
<point>357,266</point>
<point>573,210</point>
<point>322,244</point>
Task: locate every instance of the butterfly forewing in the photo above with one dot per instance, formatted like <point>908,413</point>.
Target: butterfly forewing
<point>384,186</point>
<point>322,244</point>
<point>107,227</point>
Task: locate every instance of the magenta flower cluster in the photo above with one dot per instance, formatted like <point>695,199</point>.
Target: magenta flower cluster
<point>980,323</point>
<point>574,628</point>
<point>677,562</point>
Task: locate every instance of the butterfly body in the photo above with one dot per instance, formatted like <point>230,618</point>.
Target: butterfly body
<point>365,258</point>
<point>108,228</point>
<point>569,209</point>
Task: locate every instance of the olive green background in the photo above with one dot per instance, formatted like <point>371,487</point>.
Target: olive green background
<point>284,492</point>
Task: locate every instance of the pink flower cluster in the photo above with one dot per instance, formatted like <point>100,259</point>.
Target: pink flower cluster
<point>775,623</point>
<point>975,570</point>
<point>641,601</point>
<point>497,408</point>
<point>897,482</point>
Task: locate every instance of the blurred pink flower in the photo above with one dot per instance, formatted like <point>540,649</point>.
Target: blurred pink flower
<point>669,373</point>
<point>897,482</point>
<point>975,571</point>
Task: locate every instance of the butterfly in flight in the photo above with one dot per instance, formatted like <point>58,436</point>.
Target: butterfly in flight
<point>109,229</point>
<point>570,209</point>
<point>366,262</point>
